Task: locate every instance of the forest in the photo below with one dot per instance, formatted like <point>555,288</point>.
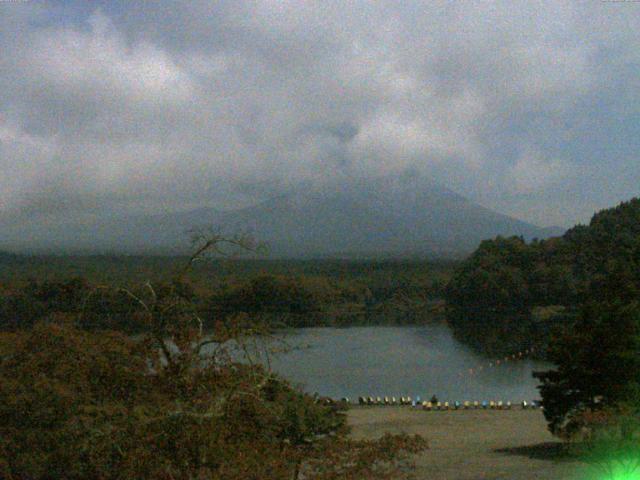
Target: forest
<point>287,293</point>
<point>511,295</point>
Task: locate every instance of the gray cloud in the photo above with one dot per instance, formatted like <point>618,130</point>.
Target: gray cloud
<point>171,105</point>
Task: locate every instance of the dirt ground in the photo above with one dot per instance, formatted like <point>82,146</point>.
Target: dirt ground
<point>475,444</point>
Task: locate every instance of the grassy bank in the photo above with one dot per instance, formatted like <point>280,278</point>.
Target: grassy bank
<point>475,444</point>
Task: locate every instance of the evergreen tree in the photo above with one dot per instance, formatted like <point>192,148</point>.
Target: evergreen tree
<point>597,362</point>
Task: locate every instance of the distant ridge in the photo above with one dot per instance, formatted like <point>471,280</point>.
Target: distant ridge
<point>393,216</point>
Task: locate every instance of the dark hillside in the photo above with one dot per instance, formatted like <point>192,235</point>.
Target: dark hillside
<point>509,294</point>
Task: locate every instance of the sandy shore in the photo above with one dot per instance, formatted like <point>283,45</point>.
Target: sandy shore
<point>475,444</point>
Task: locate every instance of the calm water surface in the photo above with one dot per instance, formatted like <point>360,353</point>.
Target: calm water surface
<point>399,361</point>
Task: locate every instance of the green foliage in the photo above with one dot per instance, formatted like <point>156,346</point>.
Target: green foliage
<point>303,301</point>
<point>285,293</point>
<point>492,297</point>
<point>36,300</point>
<point>18,310</point>
<point>273,296</point>
<point>59,296</point>
<point>598,365</point>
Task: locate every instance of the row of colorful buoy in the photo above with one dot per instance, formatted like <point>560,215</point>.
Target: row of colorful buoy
<point>387,401</point>
<point>484,405</point>
<point>426,405</point>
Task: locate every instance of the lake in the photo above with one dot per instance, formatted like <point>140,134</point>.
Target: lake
<point>400,361</point>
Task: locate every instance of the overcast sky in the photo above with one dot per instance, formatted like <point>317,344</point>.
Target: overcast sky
<point>530,108</point>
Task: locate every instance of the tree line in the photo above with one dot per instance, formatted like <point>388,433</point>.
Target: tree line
<point>510,294</point>
<point>368,294</point>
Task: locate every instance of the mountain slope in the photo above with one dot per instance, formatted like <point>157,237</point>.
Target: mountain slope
<point>384,216</point>
<point>389,216</point>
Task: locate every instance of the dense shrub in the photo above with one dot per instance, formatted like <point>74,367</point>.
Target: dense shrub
<point>76,404</point>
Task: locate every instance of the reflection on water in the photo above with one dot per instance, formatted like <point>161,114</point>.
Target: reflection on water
<point>399,361</point>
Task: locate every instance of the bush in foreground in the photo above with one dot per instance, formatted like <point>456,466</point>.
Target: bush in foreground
<point>76,404</point>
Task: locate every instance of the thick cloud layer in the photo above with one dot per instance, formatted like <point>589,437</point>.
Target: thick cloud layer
<point>531,108</point>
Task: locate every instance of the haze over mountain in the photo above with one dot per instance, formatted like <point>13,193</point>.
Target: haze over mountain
<point>529,108</point>
<point>390,216</point>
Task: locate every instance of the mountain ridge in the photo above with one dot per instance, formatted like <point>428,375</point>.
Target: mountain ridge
<point>400,216</point>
